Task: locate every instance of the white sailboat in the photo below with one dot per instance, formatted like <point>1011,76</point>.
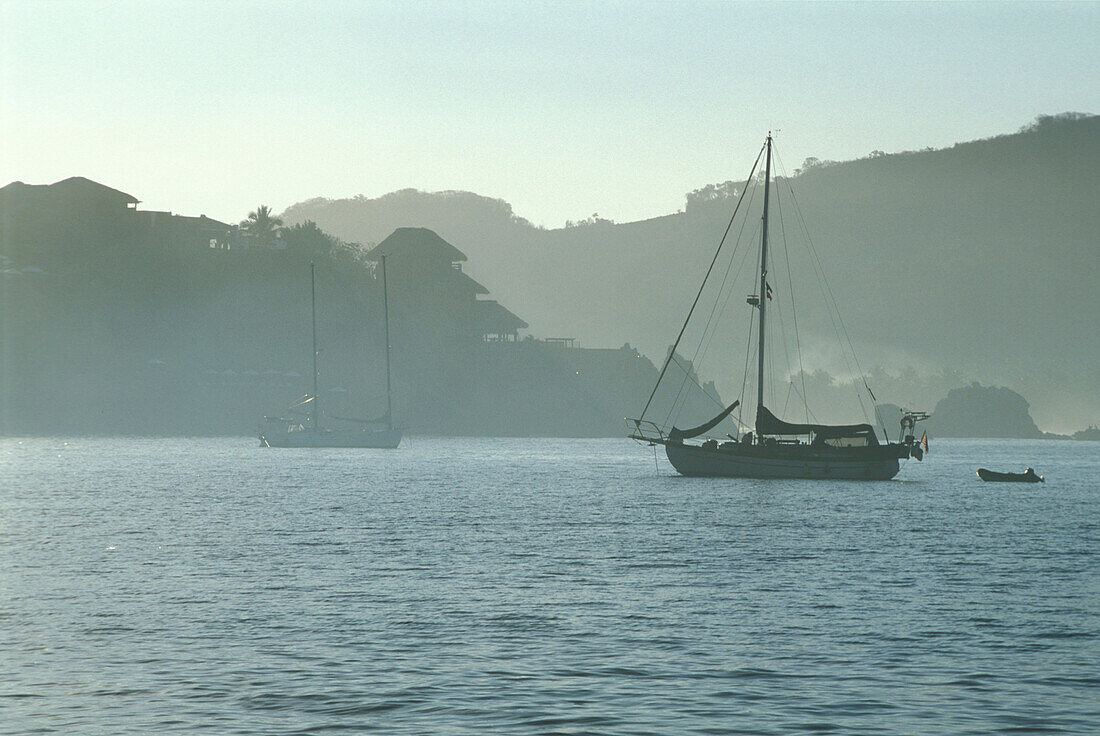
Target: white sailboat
<point>310,431</point>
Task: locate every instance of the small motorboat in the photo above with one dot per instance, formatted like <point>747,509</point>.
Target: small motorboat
<point>992,476</point>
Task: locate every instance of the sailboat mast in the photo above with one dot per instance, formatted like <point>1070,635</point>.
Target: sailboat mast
<point>763,278</point>
<point>386,319</point>
<point>315,409</point>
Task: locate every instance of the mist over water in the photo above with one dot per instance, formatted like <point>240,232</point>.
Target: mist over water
<point>538,586</point>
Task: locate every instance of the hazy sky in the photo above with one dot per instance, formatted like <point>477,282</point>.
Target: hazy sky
<point>562,109</point>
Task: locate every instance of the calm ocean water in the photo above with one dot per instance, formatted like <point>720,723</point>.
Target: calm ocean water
<point>472,586</point>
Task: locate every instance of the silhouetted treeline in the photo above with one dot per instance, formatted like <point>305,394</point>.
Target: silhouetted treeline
<point>979,258</point>
<point>117,320</point>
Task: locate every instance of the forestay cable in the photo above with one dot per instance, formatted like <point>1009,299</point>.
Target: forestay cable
<point>701,287</point>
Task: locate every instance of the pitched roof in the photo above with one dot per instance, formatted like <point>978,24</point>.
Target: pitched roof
<point>470,283</point>
<point>420,242</point>
<point>88,184</point>
<point>16,188</point>
<point>203,221</point>
<point>492,318</point>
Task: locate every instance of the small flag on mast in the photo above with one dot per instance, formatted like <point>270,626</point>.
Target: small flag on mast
<point>768,290</point>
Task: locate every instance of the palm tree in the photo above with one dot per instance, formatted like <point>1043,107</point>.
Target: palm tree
<point>261,222</point>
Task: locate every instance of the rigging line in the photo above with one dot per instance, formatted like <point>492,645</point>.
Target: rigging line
<point>790,288</point>
<point>779,308</point>
<point>705,342</point>
<point>771,351</point>
<point>787,398</point>
<point>694,379</point>
<point>701,287</point>
<point>751,345</point>
<point>833,311</point>
<point>769,378</point>
<point>777,315</point>
<point>744,257</point>
<point>804,403</point>
<point>830,300</point>
<point>840,317</point>
<point>783,334</point>
<point>680,398</point>
<point>711,324</point>
<point>712,321</point>
<point>763,376</point>
<point>745,371</point>
<point>729,294</point>
<point>677,400</point>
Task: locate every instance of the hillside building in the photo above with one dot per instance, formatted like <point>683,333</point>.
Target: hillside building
<point>426,267</point>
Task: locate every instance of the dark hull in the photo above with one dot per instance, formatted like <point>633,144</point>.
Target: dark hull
<point>752,461</point>
<point>378,438</point>
<point>992,476</point>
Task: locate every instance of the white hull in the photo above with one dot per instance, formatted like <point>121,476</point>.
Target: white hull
<point>378,438</point>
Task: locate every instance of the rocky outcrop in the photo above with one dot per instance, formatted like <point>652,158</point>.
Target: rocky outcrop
<point>983,411</point>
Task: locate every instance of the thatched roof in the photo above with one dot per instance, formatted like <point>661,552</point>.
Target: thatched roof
<point>492,318</point>
<point>418,242</point>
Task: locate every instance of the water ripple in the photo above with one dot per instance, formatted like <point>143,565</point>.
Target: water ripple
<point>473,586</point>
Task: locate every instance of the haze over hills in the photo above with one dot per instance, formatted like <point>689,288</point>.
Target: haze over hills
<point>980,259</point>
<point>971,264</point>
<point>117,320</point>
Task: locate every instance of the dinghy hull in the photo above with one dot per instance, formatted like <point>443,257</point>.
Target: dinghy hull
<point>992,476</point>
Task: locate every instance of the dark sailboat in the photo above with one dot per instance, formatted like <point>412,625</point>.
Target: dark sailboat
<point>843,452</point>
<point>309,431</point>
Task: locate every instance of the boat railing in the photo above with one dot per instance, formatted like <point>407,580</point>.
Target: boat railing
<point>645,431</point>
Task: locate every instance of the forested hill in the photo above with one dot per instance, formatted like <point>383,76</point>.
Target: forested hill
<point>981,257</point>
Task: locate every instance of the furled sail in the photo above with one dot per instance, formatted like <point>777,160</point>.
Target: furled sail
<point>384,419</point>
<point>679,435</point>
<point>769,424</point>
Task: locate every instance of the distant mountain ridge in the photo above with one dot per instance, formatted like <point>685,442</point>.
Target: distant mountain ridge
<point>982,257</point>
<point>474,214</point>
